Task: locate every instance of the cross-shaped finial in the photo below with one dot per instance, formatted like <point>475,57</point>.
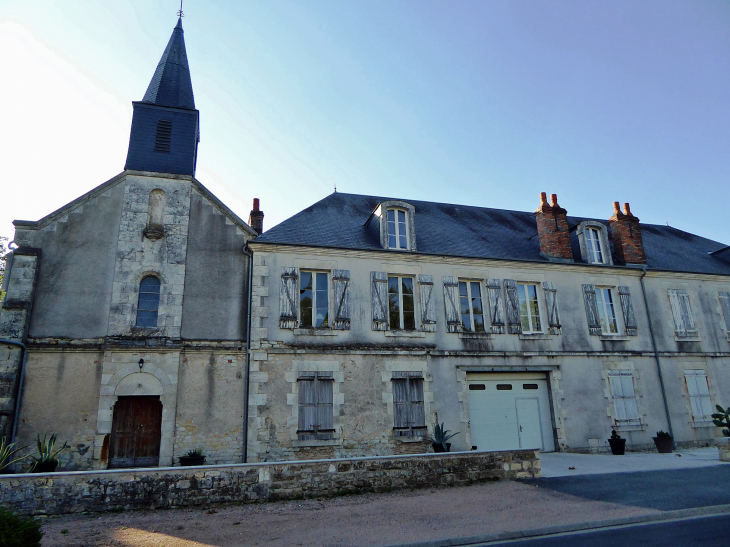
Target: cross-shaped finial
<point>180,11</point>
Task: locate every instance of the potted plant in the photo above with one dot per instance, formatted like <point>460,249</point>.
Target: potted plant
<point>193,457</point>
<point>439,438</point>
<point>722,419</point>
<point>664,442</point>
<point>618,445</point>
<point>47,459</point>
<point>7,451</point>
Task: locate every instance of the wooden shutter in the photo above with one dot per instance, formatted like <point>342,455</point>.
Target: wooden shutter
<point>324,392</point>
<point>428,315</point>
<point>379,282</point>
<point>626,411</point>
<point>409,415</point>
<point>307,405</point>
<point>451,301</point>
<point>589,297</point>
<point>289,298</point>
<point>341,279</point>
<point>401,403</point>
<point>551,299</point>
<point>628,310</point>
<point>725,305</point>
<point>699,395</point>
<point>496,312</point>
<point>513,307</point>
<point>684,325</point>
<point>315,405</point>
<point>417,418</point>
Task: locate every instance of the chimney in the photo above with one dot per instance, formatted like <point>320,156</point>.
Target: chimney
<point>552,228</point>
<point>256,218</point>
<point>626,235</point>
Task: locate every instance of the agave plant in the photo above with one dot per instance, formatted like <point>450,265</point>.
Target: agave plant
<point>7,451</point>
<point>46,452</point>
<point>440,435</point>
<point>722,419</point>
<point>196,453</point>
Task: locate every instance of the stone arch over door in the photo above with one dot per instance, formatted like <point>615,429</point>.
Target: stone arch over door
<point>122,376</point>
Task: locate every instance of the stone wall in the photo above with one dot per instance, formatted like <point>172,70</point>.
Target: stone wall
<point>76,492</point>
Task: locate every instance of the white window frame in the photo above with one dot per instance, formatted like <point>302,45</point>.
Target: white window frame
<point>400,302</point>
<point>601,232</point>
<point>698,389</point>
<point>623,396</point>
<point>314,299</point>
<point>530,316</point>
<point>593,242</point>
<point>398,235</point>
<point>468,283</point>
<point>603,308</point>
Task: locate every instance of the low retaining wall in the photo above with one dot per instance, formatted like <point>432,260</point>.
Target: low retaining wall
<point>152,488</point>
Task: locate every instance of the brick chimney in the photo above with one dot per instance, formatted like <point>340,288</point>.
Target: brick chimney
<point>552,228</point>
<point>626,235</point>
<point>256,218</point>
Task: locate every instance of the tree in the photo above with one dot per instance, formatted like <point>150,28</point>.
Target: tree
<point>4,250</point>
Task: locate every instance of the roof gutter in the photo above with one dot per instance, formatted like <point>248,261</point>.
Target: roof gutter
<point>18,386</point>
<point>656,355</point>
<point>249,253</point>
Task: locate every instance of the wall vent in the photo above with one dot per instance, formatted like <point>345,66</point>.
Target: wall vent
<point>163,136</point>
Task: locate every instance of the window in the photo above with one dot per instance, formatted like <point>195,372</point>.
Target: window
<point>470,299</point>
<point>626,412</point>
<point>315,406</point>
<point>163,136</point>
<point>606,312</point>
<point>725,305</point>
<point>313,300</point>
<point>529,309</point>
<point>593,241</point>
<point>684,324</point>
<point>409,414</point>
<point>401,305</point>
<point>397,229</point>
<point>149,302</point>
<point>699,395</point>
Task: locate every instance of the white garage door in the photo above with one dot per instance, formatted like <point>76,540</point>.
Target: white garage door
<point>510,411</point>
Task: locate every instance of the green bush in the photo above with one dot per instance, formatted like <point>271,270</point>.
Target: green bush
<point>16,531</point>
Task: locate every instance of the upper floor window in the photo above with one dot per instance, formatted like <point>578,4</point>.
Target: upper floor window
<point>313,300</point>
<point>606,311</point>
<point>149,302</point>
<point>394,223</point>
<point>529,308</point>
<point>401,303</point>
<point>470,301</point>
<point>593,242</point>
<point>594,246</point>
<point>397,229</point>
<point>684,323</point>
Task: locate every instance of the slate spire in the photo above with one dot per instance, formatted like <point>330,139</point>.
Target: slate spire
<point>171,85</point>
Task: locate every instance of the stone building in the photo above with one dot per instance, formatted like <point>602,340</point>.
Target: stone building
<point>373,319</point>
<point>132,303</point>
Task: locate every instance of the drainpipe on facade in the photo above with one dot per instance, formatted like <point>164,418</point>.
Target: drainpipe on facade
<point>19,387</point>
<point>249,254</point>
<point>656,356</point>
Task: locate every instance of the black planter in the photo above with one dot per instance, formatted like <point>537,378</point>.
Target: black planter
<point>440,448</point>
<point>45,467</point>
<point>664,444</point>
<point>618,446</point>
<point>188,461</point>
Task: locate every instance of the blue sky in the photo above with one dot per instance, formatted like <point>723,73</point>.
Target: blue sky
<point>484,103</point>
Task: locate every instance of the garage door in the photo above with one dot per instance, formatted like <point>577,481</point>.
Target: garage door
<point>510,412</point>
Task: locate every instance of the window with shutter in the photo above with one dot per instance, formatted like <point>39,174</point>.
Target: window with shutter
<point>606,311</point>
<point>591,304</point>
<point>496,311</point>
<point>379,282</point>
<point>684,324</point>
<point>315,406</point>
<point>428,314</point>
<point>698,388</point>
<point>626,411</point>
<point>451,302</point>
<point>288,298</point>
<point>470,306</point>
<point>401,303</point>
<point>551,300</point>
<point>314,300</point>
<point>341,280</point>
<point>628,311</point>
<point>409,414</point>
<point>725,305</point>
<point>529,308</point>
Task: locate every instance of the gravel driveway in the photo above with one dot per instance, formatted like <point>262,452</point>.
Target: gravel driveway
<point>350,521</point>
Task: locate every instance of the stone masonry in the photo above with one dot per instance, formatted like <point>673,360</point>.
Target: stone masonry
<point>552,229</point>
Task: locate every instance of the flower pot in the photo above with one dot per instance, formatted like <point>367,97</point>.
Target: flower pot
<point>618,446</point>
<point>440,448</point>
<point>664,444</point>
<point>187,461</point>
<point>45,467</point>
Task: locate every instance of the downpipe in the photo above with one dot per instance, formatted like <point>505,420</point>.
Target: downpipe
<point>19,385</point>
<point>249,254</point>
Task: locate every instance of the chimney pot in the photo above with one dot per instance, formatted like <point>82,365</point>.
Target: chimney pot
<point>255,204</point>
<point>554,200</point>
<point>627,210</point>
<point>616,207</point>
<point>543,198</point>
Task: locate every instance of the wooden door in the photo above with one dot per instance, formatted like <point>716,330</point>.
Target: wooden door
<point>136,431</point>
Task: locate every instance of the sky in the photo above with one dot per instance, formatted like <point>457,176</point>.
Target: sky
<point>484,103</point>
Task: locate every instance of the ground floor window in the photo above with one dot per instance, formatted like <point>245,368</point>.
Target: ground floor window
<point>315,406</point>
<point>409,419</point>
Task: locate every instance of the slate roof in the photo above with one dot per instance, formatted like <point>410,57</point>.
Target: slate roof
<point>171,84</point>
<point>338,221</point>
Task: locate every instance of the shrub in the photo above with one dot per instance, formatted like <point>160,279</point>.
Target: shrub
<point>17,531</point>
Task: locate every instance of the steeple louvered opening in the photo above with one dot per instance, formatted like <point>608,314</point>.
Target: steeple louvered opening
<point>163,136</point>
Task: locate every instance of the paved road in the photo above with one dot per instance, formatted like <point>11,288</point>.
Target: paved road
<point>663,490</point>
<point>697,532</point>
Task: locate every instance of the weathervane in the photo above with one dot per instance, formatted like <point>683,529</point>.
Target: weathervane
<point>180,11</point>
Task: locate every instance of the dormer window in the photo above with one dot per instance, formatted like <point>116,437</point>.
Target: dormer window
<point>593,240</point>
<point>394,222</point>
<point>397,229</point>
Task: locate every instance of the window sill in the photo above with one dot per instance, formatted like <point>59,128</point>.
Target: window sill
<point>315,443</point>
<point>411,439</point>
<point>614,338</point>
<point>620,428</point>
<point>475,335</point>
<point>702,424</point>
<point>404,334</point>
<point>536,336</point>
<point>314,332</point>
<point>687,338</point>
